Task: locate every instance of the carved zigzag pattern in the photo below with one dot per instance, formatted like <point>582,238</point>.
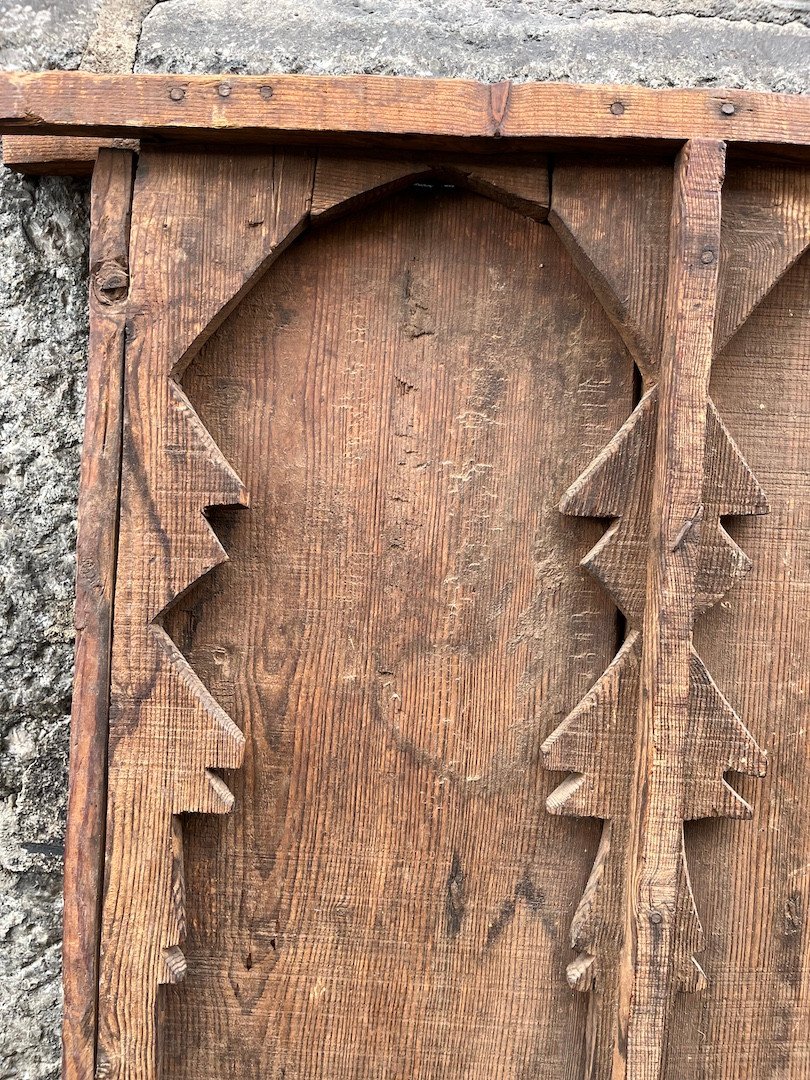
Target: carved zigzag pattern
<point>204,480</point>
<point>596,741</point>
<point>204,227</point>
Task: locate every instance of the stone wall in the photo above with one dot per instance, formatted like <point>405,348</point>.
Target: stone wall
<point>43,323</point>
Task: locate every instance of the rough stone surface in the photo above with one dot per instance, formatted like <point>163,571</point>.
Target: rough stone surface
<point>740,43</point>
<point>43,341</point>
<point>43,331</point>
<point>45,34</point>
<point>43,327</point>
<point>114,41</point>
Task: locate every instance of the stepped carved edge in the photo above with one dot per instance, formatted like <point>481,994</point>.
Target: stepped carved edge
<point>650,744</point>
<point>205,227</point>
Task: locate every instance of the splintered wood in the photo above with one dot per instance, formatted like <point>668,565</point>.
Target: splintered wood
<point>401,391</point>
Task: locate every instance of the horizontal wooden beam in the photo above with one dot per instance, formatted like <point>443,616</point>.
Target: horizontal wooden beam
<point>57,155</point>
<point>377,109</point>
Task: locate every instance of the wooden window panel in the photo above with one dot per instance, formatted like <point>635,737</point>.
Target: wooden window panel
<point>389,895</point>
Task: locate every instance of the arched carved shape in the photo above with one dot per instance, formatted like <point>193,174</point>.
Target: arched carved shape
<point>204,230</point>
<point>344,184</point>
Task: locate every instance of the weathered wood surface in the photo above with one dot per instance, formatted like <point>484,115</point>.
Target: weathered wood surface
<point>614,218</point>
<point>344,184</point>
<point>751,879</point>
<point>399,626</point>
<point>57,155</point>
<point>203,227</point>
<point>361,107</point>
<point>661,931</point>
<point>189,279</point>
<point>385,892</point>
<point>96,545</point>
<point>665,559</point>
<point>766,227</point>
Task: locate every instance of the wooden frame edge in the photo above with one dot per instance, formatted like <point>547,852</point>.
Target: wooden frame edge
<point>96,553</point>
<point>395,111</point>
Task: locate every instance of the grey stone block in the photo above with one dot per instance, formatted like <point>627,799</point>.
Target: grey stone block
<point>657,43</point>
<point>43,341</point>
<point>43,34</point>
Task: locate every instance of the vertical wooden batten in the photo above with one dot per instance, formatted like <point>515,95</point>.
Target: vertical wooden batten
<point>96,546</point>
<point>649,745</point>
<point>661,928</point>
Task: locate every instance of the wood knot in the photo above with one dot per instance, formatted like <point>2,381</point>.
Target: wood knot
<point>111,283</point>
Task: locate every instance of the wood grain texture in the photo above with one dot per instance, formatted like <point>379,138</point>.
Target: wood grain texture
<point>202,229</point>
<point>348,183</point>
<point>423,111</point>
<point>96,547</point>
<point>650,744</point>
<point>198,254</point>
<point>661,929</point>
<point>614,218</point>
<point>766,227</point>
<point>55,155</point>
<point>400,625</point>
<point>751,879</point>
<point>389,633</point>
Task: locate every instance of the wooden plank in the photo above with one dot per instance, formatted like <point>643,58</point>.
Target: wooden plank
<point>203,227</point>
<point>667,478</point>
<point>751,879</point>
<point>96,548</point>
<point>57,155</point>
<point>401,622</point>
<point>614,218</point>
<point>603,931</point>
<point>661,929</point>
<point>424,111</point>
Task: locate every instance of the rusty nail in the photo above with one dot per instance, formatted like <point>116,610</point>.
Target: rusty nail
<point>177,93</point>
<point>727,109</point>
<point>266,92</point>
<point>617,108</point>
<point>656,917</point>
<point>707,256</point>
<point>224,89</point>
